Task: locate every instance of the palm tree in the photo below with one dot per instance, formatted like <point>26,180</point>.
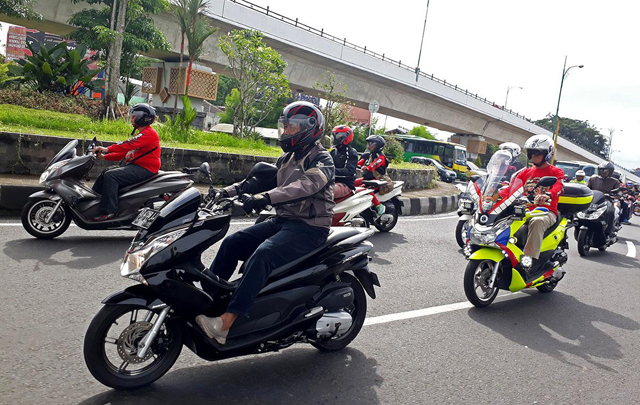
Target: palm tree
<point>187,12</point>
<point>200,32</point>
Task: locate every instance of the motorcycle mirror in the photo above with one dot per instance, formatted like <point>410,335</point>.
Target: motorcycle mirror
<point>205,169</point>
<point>263,171</point>
<point>547,181</point>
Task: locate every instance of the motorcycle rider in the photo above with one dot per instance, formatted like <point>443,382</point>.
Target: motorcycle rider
<point>142,151</point>
<point>539,150</point>
<point>605,183</point>
<point>374,164</point>
<point>515,151</point>
<point>345,159</point>
<point>580,174</point>
<point>303,192</point>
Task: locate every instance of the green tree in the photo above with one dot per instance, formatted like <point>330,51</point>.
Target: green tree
<point>337,108</point>
<point>103,28</point>
<point>394,149</point>
<point>225,85</point>
<point>55,68</point>
<point>199,33</point>
<point>259,71</point>
<point>19,9</point>
<point>579,132</point>
<point>422,132</point>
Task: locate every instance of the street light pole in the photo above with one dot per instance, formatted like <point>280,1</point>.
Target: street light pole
<point>508,89</point>
<point>424,28</point>
<point>611,130</point>
<point>565,70</point>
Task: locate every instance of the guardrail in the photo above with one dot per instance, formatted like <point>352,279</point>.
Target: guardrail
<point>343,41</point>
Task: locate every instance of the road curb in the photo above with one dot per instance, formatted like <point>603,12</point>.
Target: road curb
<point>429,205</point>
<point>13,198</point>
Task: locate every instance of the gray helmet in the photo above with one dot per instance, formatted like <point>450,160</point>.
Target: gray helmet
<point>605,169</point>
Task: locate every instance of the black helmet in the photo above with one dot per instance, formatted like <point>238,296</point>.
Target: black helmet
<point>144,115</point>
<point>376,140</point>
<point>617,175</point>
<point>605,169</point>
<point>301,124</point>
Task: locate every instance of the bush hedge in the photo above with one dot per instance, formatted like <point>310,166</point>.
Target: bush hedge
<point>51,102</point>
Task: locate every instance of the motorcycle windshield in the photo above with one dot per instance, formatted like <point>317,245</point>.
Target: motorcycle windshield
<point>68,152</point>
<point>495,190</point>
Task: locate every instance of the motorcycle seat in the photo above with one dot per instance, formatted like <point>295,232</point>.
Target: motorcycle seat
<point>134,185</point>
<point>374,183</point>
<point>523,233</point>
<point>336,235</point>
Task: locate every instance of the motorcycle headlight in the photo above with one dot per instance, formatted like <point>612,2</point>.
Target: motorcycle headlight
<point>481,237</point>
<point>134,259</point>
<point>45,175</point>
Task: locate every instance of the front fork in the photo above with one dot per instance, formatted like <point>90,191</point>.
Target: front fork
<point>494,274</point>
<point>146,341</point>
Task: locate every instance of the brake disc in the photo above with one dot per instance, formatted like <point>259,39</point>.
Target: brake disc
<point>129,339</point>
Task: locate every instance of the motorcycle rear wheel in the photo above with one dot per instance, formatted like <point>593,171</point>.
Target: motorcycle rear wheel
<point>390,225</point>
<point>476,274</point>
<point>97,340</point>
<point>358,312</point>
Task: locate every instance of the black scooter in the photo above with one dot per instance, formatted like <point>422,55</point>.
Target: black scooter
<point>48,213</point>
<point>138,334</point>
<point>592,223</point>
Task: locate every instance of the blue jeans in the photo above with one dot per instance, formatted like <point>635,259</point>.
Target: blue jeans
<point>263,247</point>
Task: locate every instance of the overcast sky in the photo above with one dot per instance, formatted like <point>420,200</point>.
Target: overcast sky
<point>488,45</point>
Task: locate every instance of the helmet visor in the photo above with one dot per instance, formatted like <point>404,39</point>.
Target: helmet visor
<point>535,152</point>
<point>290,127</point>
<point>338,138</point>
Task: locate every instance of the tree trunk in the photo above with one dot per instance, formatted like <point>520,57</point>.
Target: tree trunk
<point>111,99</point>
<point>175,100</point>
<point>186,89</point>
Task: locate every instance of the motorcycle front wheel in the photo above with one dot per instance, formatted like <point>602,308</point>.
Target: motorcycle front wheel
<point>584,245</point>
<point>476,279</point>
<point>35,214</point>
<point>111,342</point>
<point>461,232</point>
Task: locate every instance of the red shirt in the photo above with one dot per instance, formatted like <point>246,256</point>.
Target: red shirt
<point>533,174</point>
<point>146,140</point>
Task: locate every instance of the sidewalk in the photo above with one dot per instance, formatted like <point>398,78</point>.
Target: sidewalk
<point>16,189</point>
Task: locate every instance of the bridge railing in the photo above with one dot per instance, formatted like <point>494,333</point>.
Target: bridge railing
<point>343,41</point>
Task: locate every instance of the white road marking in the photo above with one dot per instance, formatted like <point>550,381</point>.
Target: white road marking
<point>632,249</point>
<point>422,312</point>
<point>426,219</point>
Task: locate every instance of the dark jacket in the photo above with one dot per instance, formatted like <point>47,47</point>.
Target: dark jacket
<point>302,189</point>
<point>345,159</point>
<point>371,162</point>
<point>602,184</point>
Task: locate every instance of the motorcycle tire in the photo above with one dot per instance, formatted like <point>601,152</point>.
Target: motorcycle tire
<point>460,226</point>
<point>583,242</point>
<point>547,288</point>
<point>389,226</point>
<point>28,219</point>
<point>360,301</point>
<point>96,359</point>
<point>470,286</point>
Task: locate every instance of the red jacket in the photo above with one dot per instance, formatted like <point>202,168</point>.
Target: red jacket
<point>533,174</point>
<point>146,140</point>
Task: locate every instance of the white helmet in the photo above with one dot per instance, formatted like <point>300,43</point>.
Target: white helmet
<point>541,144</point>
<point>580,173</point>
<point>514,148</point>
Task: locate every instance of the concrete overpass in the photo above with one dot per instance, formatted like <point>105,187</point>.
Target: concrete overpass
<point>310,53</point>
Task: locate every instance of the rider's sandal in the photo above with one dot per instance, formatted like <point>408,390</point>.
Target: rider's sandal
<point>212,327</point>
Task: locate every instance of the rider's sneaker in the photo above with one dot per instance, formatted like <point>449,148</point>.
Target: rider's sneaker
<point>380,209</point>
<point>104,217</point>
<point>213,328</point>
<point>626,222</point>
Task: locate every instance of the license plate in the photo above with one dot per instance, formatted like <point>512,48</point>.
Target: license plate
<point>145,218</point>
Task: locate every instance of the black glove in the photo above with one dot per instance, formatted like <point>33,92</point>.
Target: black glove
<point>256,203</point>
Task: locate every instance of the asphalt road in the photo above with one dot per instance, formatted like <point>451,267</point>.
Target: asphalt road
<point>577,345</point>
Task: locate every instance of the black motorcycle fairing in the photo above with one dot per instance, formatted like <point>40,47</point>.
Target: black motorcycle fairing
<point>45,195</point>
<point>180,209</point>
<point>75,168</point>
<point>164,182</point>
<point>184,298</point>
<point>71,192</point>
<point>135,295</point>
<point>68,152</point>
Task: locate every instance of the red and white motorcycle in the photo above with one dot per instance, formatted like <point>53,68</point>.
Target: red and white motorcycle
<point>357,209</point>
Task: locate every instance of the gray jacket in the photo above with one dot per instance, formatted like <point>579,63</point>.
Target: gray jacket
<point>302,189</point>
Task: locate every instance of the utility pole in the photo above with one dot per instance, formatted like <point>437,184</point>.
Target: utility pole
<point>424,28</point>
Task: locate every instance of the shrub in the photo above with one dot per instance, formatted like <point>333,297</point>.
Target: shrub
<point>179,129</point>
<point>51,102</point>
<point>394,150</point>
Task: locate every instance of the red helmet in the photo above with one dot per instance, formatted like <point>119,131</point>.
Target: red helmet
<point>342,135</point>
<point>301,124</point>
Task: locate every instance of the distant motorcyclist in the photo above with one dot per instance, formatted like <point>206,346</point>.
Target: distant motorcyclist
<point>605,183</point>
<point>141,151</point>
<point>374,164</point>
<point>516,165</point>
<point>303,193</point>
<point>345,159</point>
<point>580,174</point>
<point>539,150</point>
